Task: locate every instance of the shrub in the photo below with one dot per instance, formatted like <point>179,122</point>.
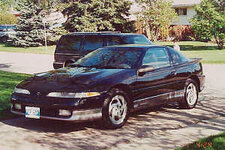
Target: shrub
<point>181,33</point>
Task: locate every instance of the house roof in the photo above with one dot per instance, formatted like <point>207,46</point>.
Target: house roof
<point>135,7</point>
<point>185,3</point>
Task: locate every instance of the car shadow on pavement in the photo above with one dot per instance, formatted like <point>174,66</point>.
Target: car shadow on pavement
<point>169,117</point>
<point>53,126</point>
<point>3,66</point>
<point>144,126</point>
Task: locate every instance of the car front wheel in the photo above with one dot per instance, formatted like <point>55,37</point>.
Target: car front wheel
<point>190,95</point>
<point>116,109</point>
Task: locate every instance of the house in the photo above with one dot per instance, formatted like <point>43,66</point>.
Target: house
<point>185,10</point>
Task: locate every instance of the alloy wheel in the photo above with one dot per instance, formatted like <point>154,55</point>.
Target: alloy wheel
<point>191,94</point>
<point>117,109</point>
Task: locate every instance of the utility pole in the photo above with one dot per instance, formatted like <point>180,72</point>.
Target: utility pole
<point>46,44</point>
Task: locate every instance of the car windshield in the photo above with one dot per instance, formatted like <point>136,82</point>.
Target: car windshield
<point>110,58</point>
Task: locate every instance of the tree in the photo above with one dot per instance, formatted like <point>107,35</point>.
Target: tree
<point>6,5</point>
<point>30,28</point>
<point>157,15</point>
<point>96,15</point>
<point>209,22</point>
<point>6,18</point>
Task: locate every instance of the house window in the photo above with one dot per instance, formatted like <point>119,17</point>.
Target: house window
<point>181,11</point>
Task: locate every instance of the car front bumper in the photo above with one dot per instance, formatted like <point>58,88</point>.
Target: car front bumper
<point>79,109</point>
<point>77,115</point>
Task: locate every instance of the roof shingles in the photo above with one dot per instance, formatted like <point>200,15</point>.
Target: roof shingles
<point>185,3</point>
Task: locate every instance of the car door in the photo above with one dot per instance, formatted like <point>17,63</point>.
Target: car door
<point>154,87</point>
<point>180,71</point>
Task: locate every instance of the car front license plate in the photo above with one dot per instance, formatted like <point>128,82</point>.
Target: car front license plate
<point>32,112</point>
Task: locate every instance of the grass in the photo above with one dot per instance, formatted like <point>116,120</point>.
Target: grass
<point>8,81</point>
<point>35,50</point>
<point>207,51</point>
<point>216,142</point>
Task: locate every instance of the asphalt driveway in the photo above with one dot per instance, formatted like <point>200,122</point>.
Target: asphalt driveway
<point>155,129</point>
<point>25,62</point>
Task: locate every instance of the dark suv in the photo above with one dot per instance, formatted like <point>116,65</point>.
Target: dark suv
<point>73,46</point>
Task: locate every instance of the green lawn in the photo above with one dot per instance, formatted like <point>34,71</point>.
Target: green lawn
<point>216,142</point>
<point>207,51</point>
<point>8,81</point>
<point>35,50</point>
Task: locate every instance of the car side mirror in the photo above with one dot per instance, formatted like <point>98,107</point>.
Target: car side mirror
<point>144,69</point>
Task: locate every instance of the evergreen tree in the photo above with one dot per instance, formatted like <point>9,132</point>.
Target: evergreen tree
<point>30,28</point>
<point>98,15</point>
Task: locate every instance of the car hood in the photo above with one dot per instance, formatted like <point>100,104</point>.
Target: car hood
<point>70,79</point>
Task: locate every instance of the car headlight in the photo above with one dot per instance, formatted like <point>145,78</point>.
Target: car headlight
<point>73,95</point>
<point>21,91</point>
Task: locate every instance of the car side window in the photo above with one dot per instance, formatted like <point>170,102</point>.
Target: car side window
<point>176,57</point>
<point>92,42</point>
<point>157,57</point>
<point>69,43</point>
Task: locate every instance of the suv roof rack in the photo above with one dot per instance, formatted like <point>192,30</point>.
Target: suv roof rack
<point>109,32</point>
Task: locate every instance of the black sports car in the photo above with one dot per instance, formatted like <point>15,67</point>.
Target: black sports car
<point>109,83</point>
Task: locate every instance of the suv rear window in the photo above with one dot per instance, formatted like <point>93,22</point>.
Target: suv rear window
<point>69,43</point>
<point>135,39</point>
<point>113,40</point>
<point>92,42</point>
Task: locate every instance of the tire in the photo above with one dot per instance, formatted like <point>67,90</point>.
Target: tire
<point>190,97</point>
<point>116,109</point>
<point>4,39</point>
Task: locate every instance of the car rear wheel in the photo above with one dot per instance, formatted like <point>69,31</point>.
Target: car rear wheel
<point>116,109</point>
<point>68,63</point>
<point>4,39</point>
<point>190,95</point>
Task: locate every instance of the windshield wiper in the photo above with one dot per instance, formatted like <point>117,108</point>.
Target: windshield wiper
<point>77,65</point>
<point>107,67</point>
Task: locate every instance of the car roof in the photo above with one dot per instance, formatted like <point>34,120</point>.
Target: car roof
<point>102,33</point>
<point>136,46</point>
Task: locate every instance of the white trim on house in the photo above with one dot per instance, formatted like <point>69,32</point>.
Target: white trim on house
<point>181,20</point>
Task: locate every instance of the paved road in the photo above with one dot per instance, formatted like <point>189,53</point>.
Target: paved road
<point>25,63</point>
<point>159,129</point>
<point>155,129</point>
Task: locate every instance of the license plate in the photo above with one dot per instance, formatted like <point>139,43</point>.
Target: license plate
<point>32,112</point>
